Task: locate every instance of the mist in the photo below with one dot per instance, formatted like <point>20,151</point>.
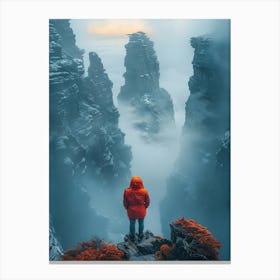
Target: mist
<point>153,162</point>
<point>172,45</point>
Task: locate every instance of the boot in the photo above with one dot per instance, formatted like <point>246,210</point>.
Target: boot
<point>132,237</point>
<point>140,236</point>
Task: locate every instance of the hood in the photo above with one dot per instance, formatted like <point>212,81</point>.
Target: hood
<point>136,183</point>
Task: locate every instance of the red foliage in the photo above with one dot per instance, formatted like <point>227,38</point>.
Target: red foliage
<point>93,251</point>
<point>165,252</point>
<point>158,237</point>
<point>206,242</point>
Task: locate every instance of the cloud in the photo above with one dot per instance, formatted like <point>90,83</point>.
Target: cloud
<point>118,27</point>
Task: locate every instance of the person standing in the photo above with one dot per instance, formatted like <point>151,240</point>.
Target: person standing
<point>136,200</point>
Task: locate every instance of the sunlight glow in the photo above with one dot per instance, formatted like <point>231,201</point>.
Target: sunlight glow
<point>118,27</point>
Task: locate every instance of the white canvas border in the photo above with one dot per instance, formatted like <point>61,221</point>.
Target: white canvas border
<point>255,138</point>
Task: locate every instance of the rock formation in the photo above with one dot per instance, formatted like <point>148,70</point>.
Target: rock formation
<point>86,144</point>
<point>188,241</point>
<point>55,248</point>
<point>67,39</point>
<point>152,107</point>
<point>96,128</point>
<point>200,181</point>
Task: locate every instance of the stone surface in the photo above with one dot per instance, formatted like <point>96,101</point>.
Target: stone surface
<point>144,249</point>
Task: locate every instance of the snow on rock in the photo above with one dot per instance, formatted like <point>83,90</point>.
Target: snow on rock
<point>85,140</point>
<point>55,248</point>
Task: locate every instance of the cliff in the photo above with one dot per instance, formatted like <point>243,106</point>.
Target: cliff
<point>207,108</point>
<point>188,241</point>
<point>152,107</point>
<point>86,144</point>
<point>67,38</point>
<point>200,181</point>
<point>55,248</point>
<point>96,128</point>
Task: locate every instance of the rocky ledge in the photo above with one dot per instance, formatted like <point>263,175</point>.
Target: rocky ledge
<point>189,241</point>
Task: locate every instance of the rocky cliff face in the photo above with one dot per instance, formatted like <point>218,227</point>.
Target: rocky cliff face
<point>67,38</point>
<point>96,128</point>
<point>86,144</point>
<point>55,248</point>
<point>152,107</point>
<point>200,181</point>
<point>207,108</point>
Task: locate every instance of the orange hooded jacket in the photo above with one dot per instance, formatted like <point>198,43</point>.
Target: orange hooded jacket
<point>136,199</point>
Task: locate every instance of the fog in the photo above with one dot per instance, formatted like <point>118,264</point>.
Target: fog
<point>171,42</point>
<point>153,162</point>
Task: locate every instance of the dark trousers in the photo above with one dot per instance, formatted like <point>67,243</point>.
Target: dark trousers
<point>132,226</point>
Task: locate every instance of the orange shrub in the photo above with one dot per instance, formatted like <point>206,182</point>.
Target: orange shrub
<point>206,243</point>
<point>92,251</point>
<point>165,252</point>
<point>158,237</point>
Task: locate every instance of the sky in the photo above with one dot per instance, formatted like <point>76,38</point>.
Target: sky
<point>171,39</point>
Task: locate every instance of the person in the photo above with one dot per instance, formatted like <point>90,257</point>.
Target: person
<point>136,200</point>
